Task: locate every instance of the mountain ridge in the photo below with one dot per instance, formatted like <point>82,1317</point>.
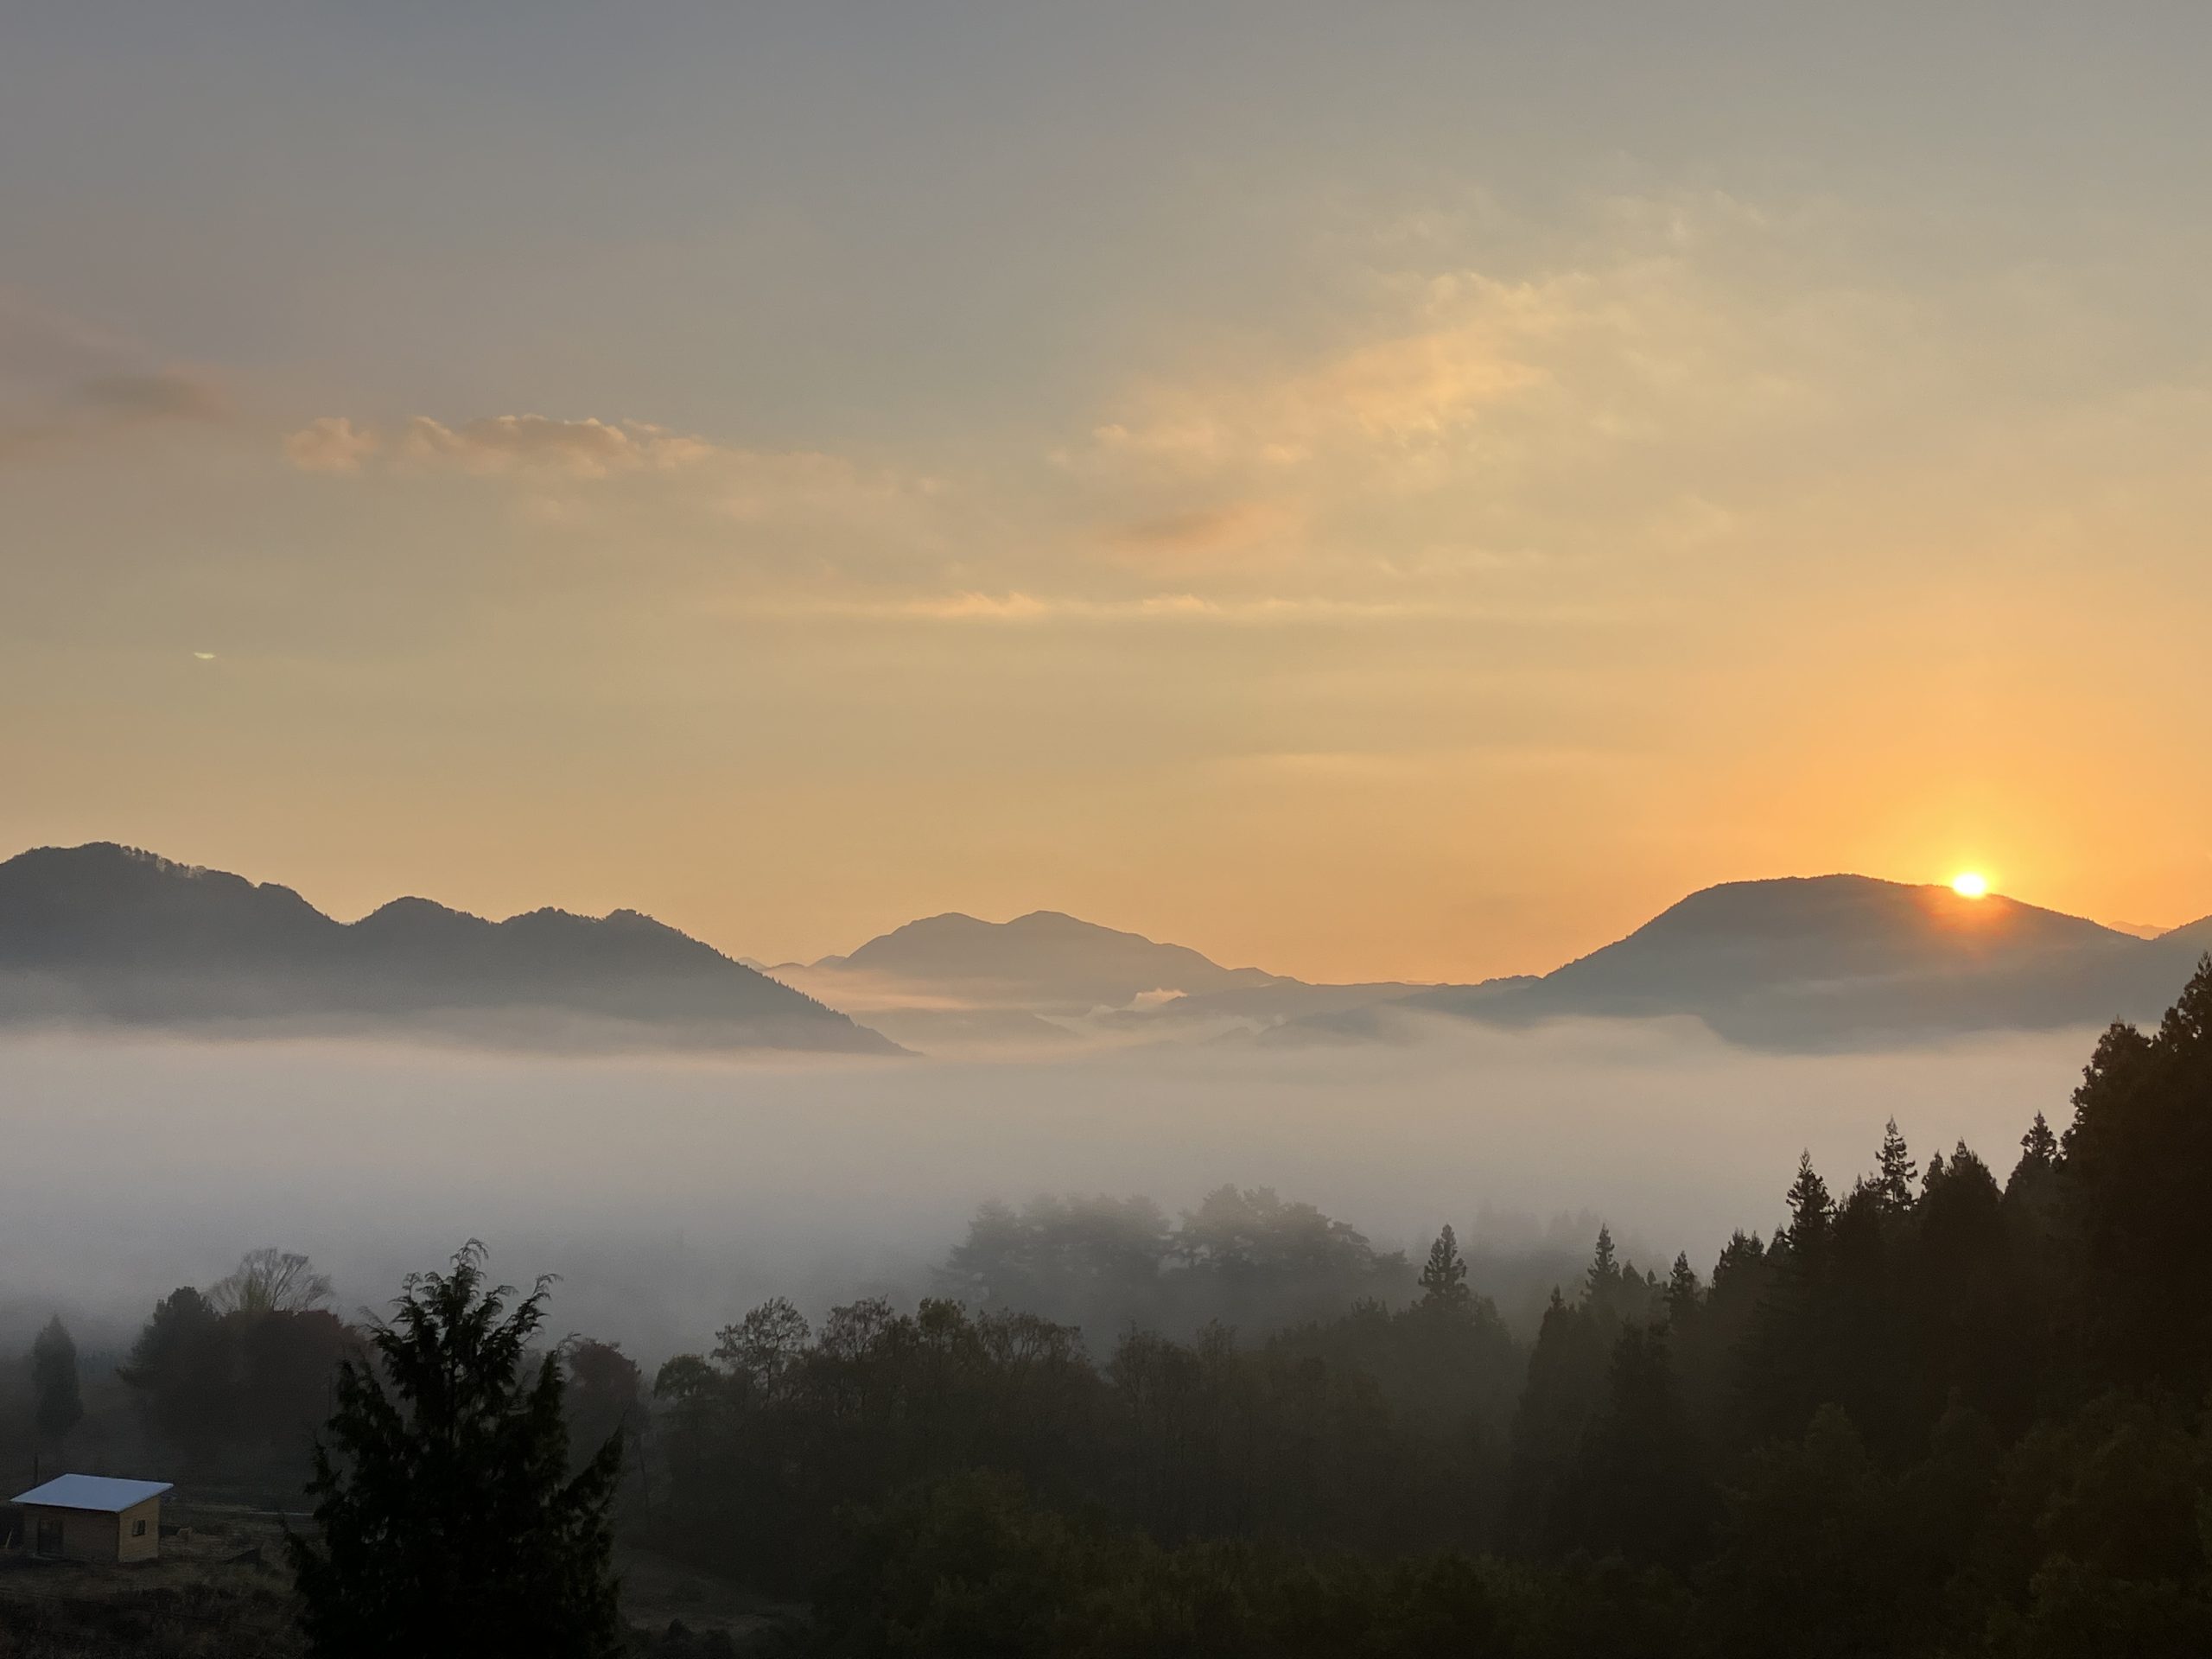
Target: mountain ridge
<point>1835,961</point>
<point>1043,960</point>
<point>105,932</point>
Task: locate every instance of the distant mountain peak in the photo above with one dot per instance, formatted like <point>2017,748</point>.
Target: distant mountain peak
<point>410,909</point>
<point>1842,959</point>
<point>108,932</point>
<point>1043,960</point>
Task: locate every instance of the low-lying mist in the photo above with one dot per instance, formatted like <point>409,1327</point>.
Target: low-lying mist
<point>672,1194</point>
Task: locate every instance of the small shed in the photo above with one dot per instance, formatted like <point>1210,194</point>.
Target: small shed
<point>93,1518</point>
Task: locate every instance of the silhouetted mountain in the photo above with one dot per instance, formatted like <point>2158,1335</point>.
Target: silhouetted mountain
<point>2197,934</point>
<point>107,932</point>
<point>1745,938</point>
<point>1838,961</point>
<point>1044,961</point>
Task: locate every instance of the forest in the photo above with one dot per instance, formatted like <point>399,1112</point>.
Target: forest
<point>1947,1407</point>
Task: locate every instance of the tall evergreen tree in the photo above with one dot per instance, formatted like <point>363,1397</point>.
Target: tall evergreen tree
<point>2035,1186</point>
<point>1636,1486</point>
<point>1683,1292</point>
<point>1811,1209</point>
<point>2138,1157</point>
<point>1443,1279</point>
<point>1605,1270</point>
<point>1893,1179</point>
<point>56,1404</point>
<point>447,1518</point>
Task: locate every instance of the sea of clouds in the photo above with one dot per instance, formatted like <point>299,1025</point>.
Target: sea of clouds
<point>671,1194</point>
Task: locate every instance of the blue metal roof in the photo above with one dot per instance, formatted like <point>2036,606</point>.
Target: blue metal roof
<point>100,1493</point>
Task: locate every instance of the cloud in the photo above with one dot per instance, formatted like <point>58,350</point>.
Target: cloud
<point>587,448</point>
<point>823,1181</point>
<point>530,446</point>
<point>701,522</point>
<point>106,406</point>
<point>332,444</point>
<point>1594,399</point>
<point>1019,606</point>
<point>1233,529</point>
<point>65,381</point>
<point>1569,423</point>
<point>957,607</point>
<point>544,451</point>
<point>1433,366</point>
<point>164,395</point>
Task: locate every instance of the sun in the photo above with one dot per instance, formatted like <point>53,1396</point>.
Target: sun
<point>1970,884</point>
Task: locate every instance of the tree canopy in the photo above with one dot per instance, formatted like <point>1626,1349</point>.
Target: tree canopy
<point>448,1518</point>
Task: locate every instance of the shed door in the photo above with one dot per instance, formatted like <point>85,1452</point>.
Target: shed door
<point>49,1534</point>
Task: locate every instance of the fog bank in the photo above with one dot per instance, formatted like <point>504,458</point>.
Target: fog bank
<point>671,1194</point>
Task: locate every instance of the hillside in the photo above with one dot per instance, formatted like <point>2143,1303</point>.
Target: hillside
<point>108,933</point>
<point>1044,961</point>
<point>1842,962</point>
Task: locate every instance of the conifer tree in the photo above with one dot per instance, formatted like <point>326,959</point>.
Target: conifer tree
<point>2034,1185</point>
<point>57,1406</point>
<point>1683,1292</point>
<point>2137,1156</point>
<point>1443,1279</point>
<point>1637,1489</point>
<point>1810,1207</point>
<point>447,1519</point>
<point>1604,1271</point>
<point>1893,1180</point>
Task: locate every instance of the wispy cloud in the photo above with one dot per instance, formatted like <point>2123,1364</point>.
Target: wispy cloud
<point>64,381</point>
<point>107,407</point>
<point>332,444</point>
<point>1020,608</point>
<point>499,446</point>
<point>541,451</point>
<point>1667,392</point>
<point>1234,529</point>
<point>586,448</point>
<point>1560,404</point>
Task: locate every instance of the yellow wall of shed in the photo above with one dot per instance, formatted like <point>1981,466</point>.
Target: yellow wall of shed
<point>85,1536</point>
<point>88,1536</point>
<point>139,1549</point>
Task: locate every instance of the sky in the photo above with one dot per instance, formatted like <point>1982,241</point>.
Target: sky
<point>1399,490</point>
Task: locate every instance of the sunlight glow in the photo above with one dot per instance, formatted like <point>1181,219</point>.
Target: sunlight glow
<point>1970,884</point>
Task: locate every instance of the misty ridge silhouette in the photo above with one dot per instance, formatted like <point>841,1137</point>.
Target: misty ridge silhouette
<point>106,933</point>
<point>1850,962</point>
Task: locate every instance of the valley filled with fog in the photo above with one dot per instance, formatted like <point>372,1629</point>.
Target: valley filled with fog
<point>671,1194</point>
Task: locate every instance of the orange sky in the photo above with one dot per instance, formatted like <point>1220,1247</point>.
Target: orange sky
<point>1414,505</point>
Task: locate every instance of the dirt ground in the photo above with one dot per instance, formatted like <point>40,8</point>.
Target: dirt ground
<point>657,1591</point>
<point>221,1590</point>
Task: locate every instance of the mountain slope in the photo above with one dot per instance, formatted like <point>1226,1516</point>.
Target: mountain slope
<point>1746,938</point>
<point>1847,961</point>
<point>107,932</point>
<point>1044,961</point>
